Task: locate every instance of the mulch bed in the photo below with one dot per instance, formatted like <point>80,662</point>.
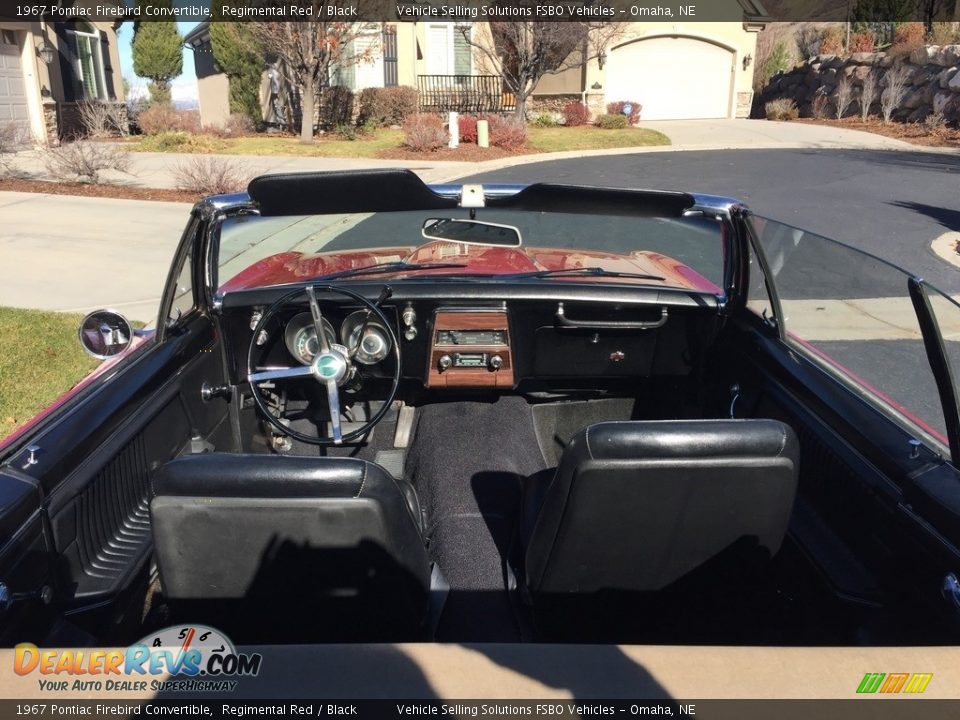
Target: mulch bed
<point>916,133</point>
<point>119,192</point>
<point>467,152</point>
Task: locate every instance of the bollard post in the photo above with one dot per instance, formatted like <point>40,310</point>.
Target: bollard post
<point>453,123</point>
<point>483,133</point>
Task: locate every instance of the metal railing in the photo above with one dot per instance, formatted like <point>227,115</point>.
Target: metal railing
<point>464,93</point>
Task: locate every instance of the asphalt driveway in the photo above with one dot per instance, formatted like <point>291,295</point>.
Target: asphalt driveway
<point>891,204</point>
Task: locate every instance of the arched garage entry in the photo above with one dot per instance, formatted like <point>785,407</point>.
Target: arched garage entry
<point>675,77</point>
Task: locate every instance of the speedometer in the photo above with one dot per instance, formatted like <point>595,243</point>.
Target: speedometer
<point>300,337</point>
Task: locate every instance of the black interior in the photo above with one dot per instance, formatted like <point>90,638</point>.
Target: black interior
<point>693,482</point>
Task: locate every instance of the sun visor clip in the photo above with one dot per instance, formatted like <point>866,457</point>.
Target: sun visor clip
<point>471,196</point>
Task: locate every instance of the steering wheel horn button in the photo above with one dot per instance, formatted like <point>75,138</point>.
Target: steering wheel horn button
<point>330,366</point>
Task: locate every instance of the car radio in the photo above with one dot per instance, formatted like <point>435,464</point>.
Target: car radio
<point>471,348</point>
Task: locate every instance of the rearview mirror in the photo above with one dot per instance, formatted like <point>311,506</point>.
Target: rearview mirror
<point>471,232</point>
<point>105,334</point>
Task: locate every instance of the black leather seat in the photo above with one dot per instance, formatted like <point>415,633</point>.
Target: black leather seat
<point>635,506</point>
<point>289,532</point>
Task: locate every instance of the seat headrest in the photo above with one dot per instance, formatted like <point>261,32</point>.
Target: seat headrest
<point>264,476</point>
<point>688,439</point>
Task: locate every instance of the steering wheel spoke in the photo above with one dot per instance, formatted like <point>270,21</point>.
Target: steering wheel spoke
<point>280,374</point>
<point>333,402</point>
<point>317,319</point>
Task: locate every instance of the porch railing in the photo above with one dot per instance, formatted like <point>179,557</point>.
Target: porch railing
<point>464,93</point>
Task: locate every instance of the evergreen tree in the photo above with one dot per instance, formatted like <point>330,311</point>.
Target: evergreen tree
<point>239,54</point>
<point>157,51</point>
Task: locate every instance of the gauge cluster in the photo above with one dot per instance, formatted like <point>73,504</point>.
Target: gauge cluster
<point>366,339</point>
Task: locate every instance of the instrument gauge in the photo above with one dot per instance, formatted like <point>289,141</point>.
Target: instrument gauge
<point>300,337</point>
<point>374,346</point>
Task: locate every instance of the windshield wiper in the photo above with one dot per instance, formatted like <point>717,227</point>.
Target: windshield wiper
<point>594,271</point>
<point>381,269</point>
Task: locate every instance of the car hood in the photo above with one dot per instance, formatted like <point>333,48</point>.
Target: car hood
<point>293,267</point>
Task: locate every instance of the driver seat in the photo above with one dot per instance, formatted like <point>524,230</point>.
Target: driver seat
<point>332,544</point>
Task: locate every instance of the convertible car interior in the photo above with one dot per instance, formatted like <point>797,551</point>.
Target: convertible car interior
<point>376,410</point>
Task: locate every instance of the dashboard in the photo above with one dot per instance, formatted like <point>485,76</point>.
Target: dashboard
<point>448,343</point>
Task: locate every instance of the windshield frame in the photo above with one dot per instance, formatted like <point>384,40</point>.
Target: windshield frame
<point>725,210</point>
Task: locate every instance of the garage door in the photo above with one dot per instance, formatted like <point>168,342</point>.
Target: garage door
<point>13,98</point>
<point>672,78</point>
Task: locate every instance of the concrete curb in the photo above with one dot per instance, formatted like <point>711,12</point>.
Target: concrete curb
<point>946,247</point>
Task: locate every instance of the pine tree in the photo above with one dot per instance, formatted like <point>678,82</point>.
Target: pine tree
<point>239,54</point>
<point>157,51</point>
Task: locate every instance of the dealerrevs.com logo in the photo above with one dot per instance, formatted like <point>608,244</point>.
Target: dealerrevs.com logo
<point>894,683</point>
<point>196,658</point>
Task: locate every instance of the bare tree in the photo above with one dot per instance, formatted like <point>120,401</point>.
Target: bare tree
<point>895,80</point>
<point>307,52</point>
<point>521,53</point>
<point>844,96</point>
<point>868,94</point>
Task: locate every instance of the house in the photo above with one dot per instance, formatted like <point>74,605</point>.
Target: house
<point>47,68</point>
<point>683,70</point>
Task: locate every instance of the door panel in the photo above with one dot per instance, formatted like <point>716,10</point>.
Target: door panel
<point>96,461</point>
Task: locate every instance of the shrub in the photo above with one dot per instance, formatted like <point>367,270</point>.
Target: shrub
<point>818,106</point>
<point>181,142</point>
<point>355,132</point>
<point>238,125</point>
<point>863,42</point>
<point>944,33</point>
<point>935,123</point>
<point>401,103</point>
<point>84,160</point>
<point>895,81</point>
<point>780,60</point>
<point>909,34</point>
<point>210,175</point>
<point>336,106</point>
<point>832,40</point>
<point>12,137</point>
<point>545,120</point>
<point>160,118</point>
<point>575,113</point>
<point>808,41</point>
<point>387,105</point>
<point>467,126</point>
<point>612,121</point>
<point>781,109</point>
<point>868,94</point>
<point>507,132</point>
<point>104,119</point>
<point>424,133</point>
<point>844,96</point>
<point>617,108</point>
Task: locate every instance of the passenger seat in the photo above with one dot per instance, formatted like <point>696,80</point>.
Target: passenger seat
<point>636,506</point>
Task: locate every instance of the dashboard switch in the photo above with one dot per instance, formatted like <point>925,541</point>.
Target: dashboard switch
<point>496,362</point>
<point>445,362</point>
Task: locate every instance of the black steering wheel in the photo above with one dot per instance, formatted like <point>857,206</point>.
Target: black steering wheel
<point>332,366</point>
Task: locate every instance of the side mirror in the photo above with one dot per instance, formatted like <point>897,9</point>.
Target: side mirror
<point>105,334</point>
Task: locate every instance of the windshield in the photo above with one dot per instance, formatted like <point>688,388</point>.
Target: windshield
<point>676,252</point>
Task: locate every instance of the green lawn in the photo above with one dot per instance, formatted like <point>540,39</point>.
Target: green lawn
<point>588,137</point>
<point>555,139</point>
<point>40,359</point>
<point>264,144</point>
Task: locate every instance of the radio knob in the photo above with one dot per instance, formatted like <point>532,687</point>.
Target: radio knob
<point>496,362</point>
<point>445,362</point>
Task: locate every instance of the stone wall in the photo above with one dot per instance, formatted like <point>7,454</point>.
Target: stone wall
<point>933,82</point>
